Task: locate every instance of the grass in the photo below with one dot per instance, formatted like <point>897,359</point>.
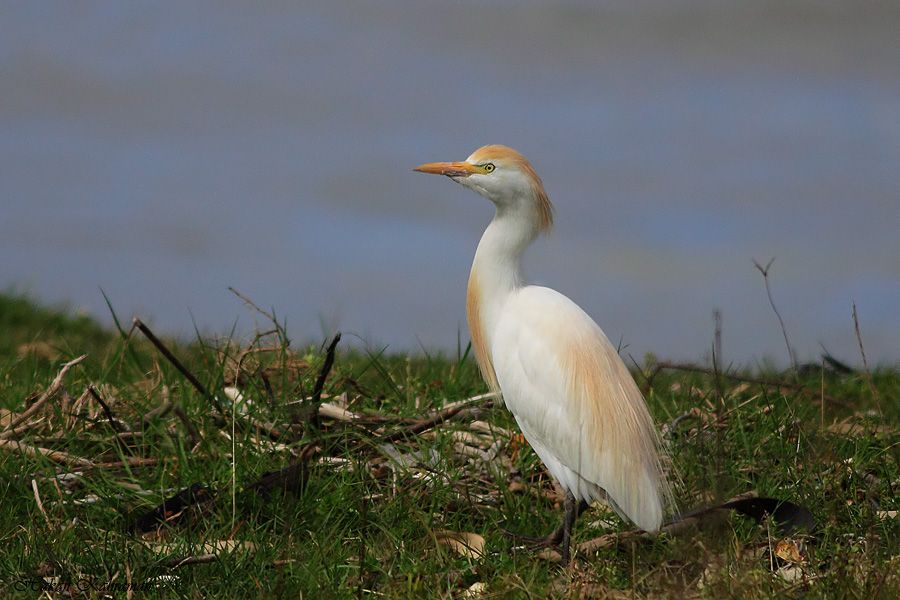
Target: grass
<point>372,518</point>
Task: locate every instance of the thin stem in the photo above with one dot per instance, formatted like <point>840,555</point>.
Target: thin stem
<point>787,342</point>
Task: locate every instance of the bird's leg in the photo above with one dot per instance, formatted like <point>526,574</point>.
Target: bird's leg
<point>573,508</point>
<point>555,538</point>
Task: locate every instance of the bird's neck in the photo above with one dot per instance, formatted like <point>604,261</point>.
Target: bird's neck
<point>498,259</point>
<point>496,273</point>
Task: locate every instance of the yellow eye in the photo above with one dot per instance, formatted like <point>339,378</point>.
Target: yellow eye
<point>488,167</point>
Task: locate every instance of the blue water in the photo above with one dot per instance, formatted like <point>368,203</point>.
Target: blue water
<point>165,154</point>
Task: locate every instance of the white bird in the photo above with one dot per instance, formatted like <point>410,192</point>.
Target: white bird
<point>571,394</point>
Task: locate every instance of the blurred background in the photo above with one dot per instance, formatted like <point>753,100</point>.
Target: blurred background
<point>165,154</point>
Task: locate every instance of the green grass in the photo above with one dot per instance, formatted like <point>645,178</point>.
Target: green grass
<point>366,526</point>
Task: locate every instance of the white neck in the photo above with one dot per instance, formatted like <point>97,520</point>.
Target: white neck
<point>497,273</point>
<point>497,268</point>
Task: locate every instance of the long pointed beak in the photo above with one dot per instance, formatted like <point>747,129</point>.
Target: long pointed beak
<point>450,169</point>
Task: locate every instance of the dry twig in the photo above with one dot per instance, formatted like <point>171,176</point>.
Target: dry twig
<point>438,417</point>
<point>40,505</point>
<point>270,316</point>
<point>54,455</point>
<point>316,398</point>
<point>765,274</point>
<point>178,364</point>
<point>55,387</point>
<point>116,424</point>
<point>862,350</point>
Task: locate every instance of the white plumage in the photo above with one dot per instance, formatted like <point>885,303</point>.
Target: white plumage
<point>570,392</point>
<point>577,404</point>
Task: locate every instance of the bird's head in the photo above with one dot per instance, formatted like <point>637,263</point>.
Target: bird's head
<point>504,177</point>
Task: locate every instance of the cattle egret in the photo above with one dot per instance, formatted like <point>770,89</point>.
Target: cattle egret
<point>571,394</point>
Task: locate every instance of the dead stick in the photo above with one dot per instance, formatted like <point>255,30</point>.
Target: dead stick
<point>54,455</point>
<point>134,461</point>
<point>439,417</point>
<point>270,316</point>
<point>40,505</point>
<point>193,433</point>
<point>106,410</point>
<point>787,342</point>
<point>11,433</point>
<point>862,351</point>
<point>178,364</point>
<point>316,399</point>
<point>51,391</point>
<point>191,560</point>
<point>337,413</point>
<point>201,559</point>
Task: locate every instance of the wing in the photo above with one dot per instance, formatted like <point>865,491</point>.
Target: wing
<point>575,399</point>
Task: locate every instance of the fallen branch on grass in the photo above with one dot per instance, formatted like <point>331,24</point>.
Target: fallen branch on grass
<point>134,461</point>
<point>116,424</point>
<point>332,411</point>
<point>449,411</point>
<point>294,476</point>
<point>54,455</point>
<point>316,399</point>
<point>210,551</point>
<point>50,392</point>
<point>192,379</point>
<point>40,503</point>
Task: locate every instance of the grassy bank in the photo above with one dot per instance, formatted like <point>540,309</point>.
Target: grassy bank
<point>394,501</point>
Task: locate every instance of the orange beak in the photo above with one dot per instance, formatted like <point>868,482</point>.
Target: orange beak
<point>450,169</point>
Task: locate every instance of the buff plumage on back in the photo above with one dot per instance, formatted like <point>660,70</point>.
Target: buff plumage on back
<point>620,440</point>
<point>500,153</point>
<point>577,404</point>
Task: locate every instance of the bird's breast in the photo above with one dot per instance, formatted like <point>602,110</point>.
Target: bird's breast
<point>478,331</point>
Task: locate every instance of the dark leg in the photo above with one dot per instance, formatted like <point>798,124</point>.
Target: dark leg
<point>557,537</point>
<point>572,509</point>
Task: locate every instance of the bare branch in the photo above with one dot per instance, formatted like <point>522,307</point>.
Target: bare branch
<point>177,364</point>
<point>449,411</point>
<point>765,273</point>
<point>862,351</point>
<point>54,455</point>
<point>316,398</point>
<point>116,424</point>
<point>51,391</point>
<point>268,315</point>
<point>40,505</point>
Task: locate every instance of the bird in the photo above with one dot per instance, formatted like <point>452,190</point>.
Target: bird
<point>571,394</point>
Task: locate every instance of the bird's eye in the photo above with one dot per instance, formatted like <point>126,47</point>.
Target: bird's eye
<point>488,167</point>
